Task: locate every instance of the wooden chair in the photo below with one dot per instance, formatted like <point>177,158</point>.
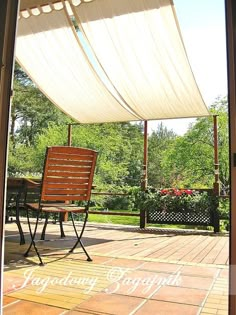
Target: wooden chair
<point>67,178</point>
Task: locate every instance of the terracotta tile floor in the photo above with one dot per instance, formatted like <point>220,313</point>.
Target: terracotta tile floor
<point>133,271</point>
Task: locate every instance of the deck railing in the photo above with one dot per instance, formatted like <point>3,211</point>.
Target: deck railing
<point>16,197</point>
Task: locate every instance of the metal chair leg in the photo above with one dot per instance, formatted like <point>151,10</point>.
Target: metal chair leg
<point>44,227</point>
<point>32,235</point>
<point>86,253</point>
<point>80,236</point>
<point>61,225</point>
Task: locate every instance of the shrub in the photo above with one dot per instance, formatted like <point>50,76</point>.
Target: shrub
<point>175,200</point>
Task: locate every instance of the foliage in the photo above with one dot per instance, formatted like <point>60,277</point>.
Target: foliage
<point>31,111</point>
<point>20,161</point>
<point>174,200</point>
<point>159,143</point>
<point>119,147</point>
<point>189,161</point>
<point>224,225</point>
<point>224,208</point>
<point>119,198</point>
<point>118,203</point>
<point>36,123</point>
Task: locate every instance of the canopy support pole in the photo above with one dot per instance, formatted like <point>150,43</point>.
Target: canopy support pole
<point>145,156</point>
<point>143,213</point>
<point>216,185</point>
<point>69,137</point>
<point>69,143</point>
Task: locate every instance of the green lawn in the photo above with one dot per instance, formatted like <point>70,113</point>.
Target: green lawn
<point>115,219</point>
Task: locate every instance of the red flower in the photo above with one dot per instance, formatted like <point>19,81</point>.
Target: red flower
<point>178,192</point>
<point>188,191</point>
<point>164,192</point>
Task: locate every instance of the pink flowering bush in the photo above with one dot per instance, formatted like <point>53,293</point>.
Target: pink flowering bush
<point>174,200</point>
<point>176,192</point>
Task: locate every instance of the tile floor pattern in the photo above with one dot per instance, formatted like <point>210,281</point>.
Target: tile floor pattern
<point>173,275</point>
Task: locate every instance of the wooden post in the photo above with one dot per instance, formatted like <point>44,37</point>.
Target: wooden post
<point>145,156</point>
<point>69,139</point>
<point>143,214</point>
<point>8,18</point>
<point>64,217</point>
<point>216,184</point>
<point>230,6</point>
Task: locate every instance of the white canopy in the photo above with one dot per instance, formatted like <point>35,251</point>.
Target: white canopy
<point>48,49</point>
<point>129,65</point>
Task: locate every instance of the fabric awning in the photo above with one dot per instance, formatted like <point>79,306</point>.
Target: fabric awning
<point>48,50</point>
<point>135,67</point>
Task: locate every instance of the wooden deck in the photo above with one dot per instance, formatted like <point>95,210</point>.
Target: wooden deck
<point>166,245</point>
<point>121,256</point>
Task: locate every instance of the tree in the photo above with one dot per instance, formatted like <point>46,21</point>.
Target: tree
<point>31,111</point>
<point>185,161</point>
<point>190,160</point>
<point>158,144</point>
<point>119,147</point>
<point>37,123</point>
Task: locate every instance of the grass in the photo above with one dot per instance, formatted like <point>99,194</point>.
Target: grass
<point>125,220</point>
<point>113,219</point>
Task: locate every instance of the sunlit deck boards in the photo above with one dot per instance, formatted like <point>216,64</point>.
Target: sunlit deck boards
<point>168,245</point>
<point>177,246</point>
<point>121,253</point>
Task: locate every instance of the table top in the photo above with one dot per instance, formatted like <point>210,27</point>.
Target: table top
<point>18,182</point>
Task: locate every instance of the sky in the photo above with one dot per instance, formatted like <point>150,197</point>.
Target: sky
<point>202,24</point>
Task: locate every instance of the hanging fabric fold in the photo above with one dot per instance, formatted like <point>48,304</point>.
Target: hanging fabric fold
<point>139,46</point>
<point>48,50</point>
